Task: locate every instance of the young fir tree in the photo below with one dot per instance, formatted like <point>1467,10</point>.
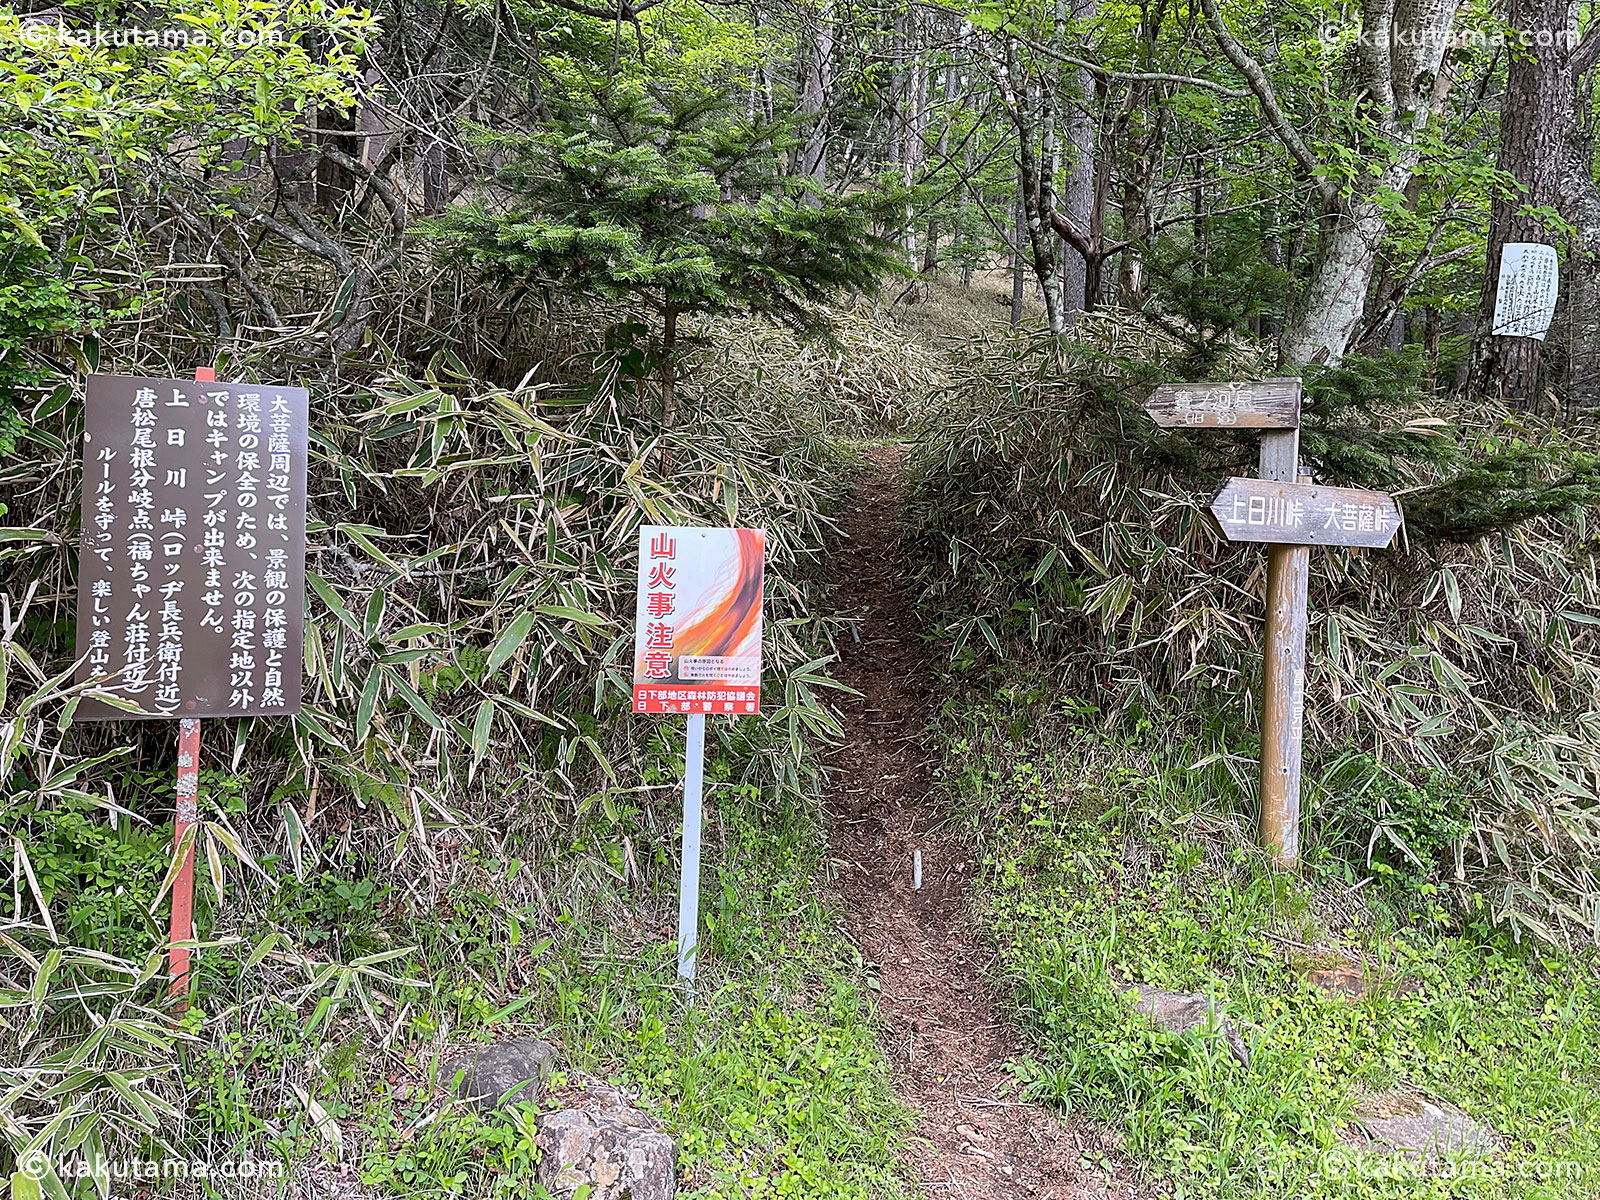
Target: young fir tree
<point>673,201</point>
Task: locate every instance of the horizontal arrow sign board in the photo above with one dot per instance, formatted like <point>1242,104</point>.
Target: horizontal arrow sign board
<point>1269,404</point>
<point>1304,514</point>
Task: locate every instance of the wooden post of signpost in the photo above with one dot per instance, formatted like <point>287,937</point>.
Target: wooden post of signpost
<point>1283,672</point>
<point>185,817</point>
<point>1284,510</point>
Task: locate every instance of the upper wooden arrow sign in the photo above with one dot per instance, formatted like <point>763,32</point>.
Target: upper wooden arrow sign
<point>1305,514</point>
<point>1268,404</point>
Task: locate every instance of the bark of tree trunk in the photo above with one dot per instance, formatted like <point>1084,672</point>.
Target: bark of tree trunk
<point>1398,69</point>
<point>1134,201</point>
<point>1078,187</point>
<point>1335,296</point>
<point>1077,199</point>
<point>1534,120</point>
<point>914,116</point>
<point>1432,328</point>
<point>1019,236</point>
<point>1038,203</point>
<point>814,94</point>
<point>930,251</point>
<point>435,180</point>
<point>1032,110</point>
<point>1580,204</point>
<point>669,369</point>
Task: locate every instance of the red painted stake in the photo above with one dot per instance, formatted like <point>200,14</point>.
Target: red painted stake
<point>187,814</point>
<point>183,887</point>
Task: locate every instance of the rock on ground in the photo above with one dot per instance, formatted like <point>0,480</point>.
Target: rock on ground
<point>1403,1123</point>
<point>502,1073</point>
<point>617,1150</point>
<point>1180,1012</point>
<point>1341,980</point>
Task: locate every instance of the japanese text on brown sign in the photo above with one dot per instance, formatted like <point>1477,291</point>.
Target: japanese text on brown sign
<point>191,571</point>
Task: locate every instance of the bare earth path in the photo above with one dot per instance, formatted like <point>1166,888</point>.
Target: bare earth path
<point>947,1044</point>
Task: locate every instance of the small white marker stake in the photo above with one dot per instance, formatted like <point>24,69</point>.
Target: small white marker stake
<point>689,885</point>
<point>916,870</point>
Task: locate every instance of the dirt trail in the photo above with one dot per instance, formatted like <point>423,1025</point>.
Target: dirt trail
<point>946,1042</point>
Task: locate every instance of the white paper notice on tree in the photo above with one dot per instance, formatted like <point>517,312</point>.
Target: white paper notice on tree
<point>1529,282</point>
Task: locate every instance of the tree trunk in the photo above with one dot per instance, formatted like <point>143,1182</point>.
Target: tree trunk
<point>1038,205</point>
<point>1134,172</point>
<point>1335,296</point>
<point>914,119</point>
<point>1032,111</point>
<point>1432,328</point>
<point>1018,238</point>
<point>930,251</point>
<point>1580,204</point>
<point>669,368</point>
<point>435,181</point>
<point>1078,189</point>
<point>1533,139</point>
<point>1398,70</point>
<point>1093,281</point>
<point>814,94</point>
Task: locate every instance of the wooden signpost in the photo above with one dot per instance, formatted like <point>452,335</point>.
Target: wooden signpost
<point>1301,514</point>
<point>1288,513</point>
<point>1269,404</point>
<point>697,650</point>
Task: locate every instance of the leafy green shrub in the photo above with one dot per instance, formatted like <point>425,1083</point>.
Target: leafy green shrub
<point>1386,823</point>
<point>1205,295</point>
<point>1507,486</point>
<point>1365,424</point>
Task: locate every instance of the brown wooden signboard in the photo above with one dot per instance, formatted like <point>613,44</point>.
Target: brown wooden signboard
<point>191,570</point>
<point>1304,514</point>
<point>1267,404</point>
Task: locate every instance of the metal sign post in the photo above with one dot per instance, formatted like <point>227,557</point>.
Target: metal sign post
<point>1289,515</point>
<point>697,650</point>
<point>694,775</point>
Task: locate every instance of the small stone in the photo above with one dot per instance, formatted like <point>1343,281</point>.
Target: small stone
<point>968,1132</point>
<point>1404,1123</point>
<point>503,1073</point>
<point>615,1150</point>
<point>1346,980</point>
<point>1334,975</point>
<point>1180,1012</point>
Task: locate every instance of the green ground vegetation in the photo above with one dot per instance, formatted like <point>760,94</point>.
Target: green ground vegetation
<point>771,1081</point>
<point>1111,857</point>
